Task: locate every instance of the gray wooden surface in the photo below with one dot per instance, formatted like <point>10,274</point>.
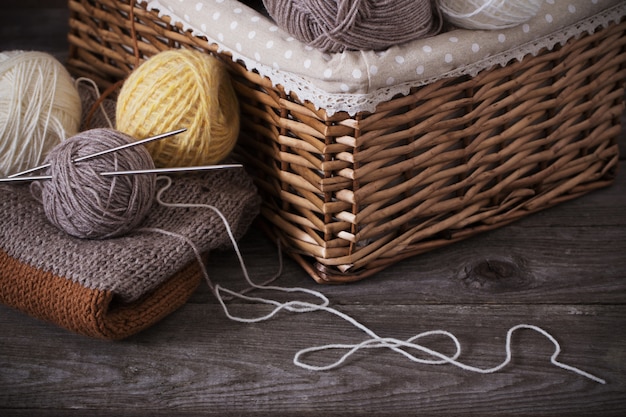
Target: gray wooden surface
<point>563,269</point>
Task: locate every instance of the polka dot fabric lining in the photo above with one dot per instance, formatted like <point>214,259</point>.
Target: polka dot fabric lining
<point>356,81</point>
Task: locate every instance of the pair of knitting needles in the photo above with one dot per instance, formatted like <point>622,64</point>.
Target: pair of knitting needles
<point>21,176</point>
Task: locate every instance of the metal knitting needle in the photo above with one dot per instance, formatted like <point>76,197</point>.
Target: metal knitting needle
<point>104,152</point>
<point>26,178</point>
<point>132,172</point>
<point>170,170</point>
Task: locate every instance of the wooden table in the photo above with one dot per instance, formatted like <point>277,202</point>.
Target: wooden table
<point>563,269</point>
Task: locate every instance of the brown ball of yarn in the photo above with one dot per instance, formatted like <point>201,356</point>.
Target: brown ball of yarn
<point>338,25</point>
<point>85,204</point>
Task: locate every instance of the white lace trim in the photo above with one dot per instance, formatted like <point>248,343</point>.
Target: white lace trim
<point>333,102</point>
<point>590,26</point>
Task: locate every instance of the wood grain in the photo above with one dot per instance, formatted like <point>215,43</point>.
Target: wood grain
<point>199,361</point>
<point>562,269</point>
<point>572,253</point>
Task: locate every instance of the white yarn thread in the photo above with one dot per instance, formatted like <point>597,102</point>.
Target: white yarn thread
<point>98,95</point>
<point>39,107</point>
<point>488,14</point>
<point>374,341</point>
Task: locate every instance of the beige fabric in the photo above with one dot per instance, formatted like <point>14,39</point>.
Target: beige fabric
<point>355,81</point>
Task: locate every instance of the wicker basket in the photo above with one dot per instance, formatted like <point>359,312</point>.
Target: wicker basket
<point>351,195</point>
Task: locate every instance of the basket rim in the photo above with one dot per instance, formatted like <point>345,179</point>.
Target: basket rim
<point>367,93</point>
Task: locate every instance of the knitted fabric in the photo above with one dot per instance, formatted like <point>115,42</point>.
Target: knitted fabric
<point>116,287</point>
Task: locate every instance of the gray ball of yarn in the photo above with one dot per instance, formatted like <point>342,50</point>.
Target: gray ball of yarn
<point>338,25</point>
<point>85,204</point>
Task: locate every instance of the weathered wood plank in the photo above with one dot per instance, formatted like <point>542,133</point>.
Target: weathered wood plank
<point>562,269</point>
<point>198,361</point>
<point>514,265</point>
<point>229,372</point>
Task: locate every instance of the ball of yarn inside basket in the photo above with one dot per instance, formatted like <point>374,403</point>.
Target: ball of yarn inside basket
<point>338,25</point>
<point>85,204</point>
<point>488,14</point>
<point>39,107</point>
<point>181,89</point>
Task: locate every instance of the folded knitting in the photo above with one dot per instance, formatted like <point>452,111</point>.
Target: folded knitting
<point>116,287</point>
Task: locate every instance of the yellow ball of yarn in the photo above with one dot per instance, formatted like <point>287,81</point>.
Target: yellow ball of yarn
<point>177,89</point>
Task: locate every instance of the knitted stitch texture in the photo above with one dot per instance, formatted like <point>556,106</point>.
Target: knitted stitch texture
<point>115,287</point>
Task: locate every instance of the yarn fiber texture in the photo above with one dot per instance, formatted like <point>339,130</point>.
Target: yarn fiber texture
<point>177,89</point>
<point>98,111</point>
<point>338,25</point>
<point>39,107</point>
<point>132,265</point>
<point>488,14</point>
<point>112,288</point>
<point>85,204</point>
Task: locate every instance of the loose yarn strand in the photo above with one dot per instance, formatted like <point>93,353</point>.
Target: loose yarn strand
<point>217,289</point>
<point>293,306</point>
<point>375,341</point>
<point>98,102</point>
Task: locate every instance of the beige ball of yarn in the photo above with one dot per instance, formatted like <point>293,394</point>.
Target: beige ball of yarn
<point>338,25</point>
<point>39,107</point>
<point>488,14</point>
<point>178,89</point>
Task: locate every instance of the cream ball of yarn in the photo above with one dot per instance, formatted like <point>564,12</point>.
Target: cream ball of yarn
<point>488,14</point>
<point>39,107</point>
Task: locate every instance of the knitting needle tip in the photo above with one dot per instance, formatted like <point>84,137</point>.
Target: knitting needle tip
<point>131,144</point>
<point>104,152</point>
<point>26,178</point>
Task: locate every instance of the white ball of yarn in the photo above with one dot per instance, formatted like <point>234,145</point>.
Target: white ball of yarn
<point>39,107</point>
<point>488,14</point>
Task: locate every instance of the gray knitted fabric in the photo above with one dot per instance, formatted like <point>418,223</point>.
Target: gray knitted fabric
<point>132,265</point>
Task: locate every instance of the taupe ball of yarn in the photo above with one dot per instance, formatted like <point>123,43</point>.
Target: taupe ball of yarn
<point>338,25</point>
<point>85,204</point>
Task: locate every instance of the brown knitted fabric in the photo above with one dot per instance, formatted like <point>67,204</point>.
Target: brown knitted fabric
<point>88,311</point>
<point>116,287</point>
